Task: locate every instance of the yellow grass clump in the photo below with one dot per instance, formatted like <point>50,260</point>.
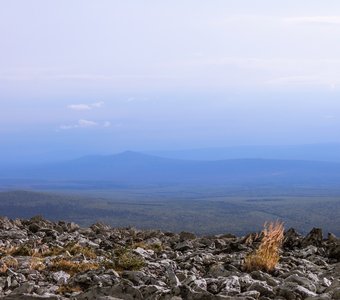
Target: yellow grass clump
<point>7,250</point>
<point>267,255</point>
<point>156,247</point>
<point>7,262</point>
<point>37,263</point>
<point>72,249</point>
<point>72,267</point>
<point>63,289</point>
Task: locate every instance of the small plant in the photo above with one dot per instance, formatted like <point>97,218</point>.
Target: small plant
<point>125,259</point>
<point>129,261</point>
<point>267,255</point>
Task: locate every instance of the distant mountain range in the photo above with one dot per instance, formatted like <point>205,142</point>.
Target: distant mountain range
<point>134,168</point>
<point>314,152</point>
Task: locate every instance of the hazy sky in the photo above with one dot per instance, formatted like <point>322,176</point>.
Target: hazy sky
<point>103,76</point>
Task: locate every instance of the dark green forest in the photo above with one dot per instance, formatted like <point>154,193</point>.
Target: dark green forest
<point>170,210</point>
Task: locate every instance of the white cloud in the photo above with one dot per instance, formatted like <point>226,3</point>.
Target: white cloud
<point>119,125</point>
<point>79,107</point>
<point>319,72</point>
<point>66,127</point>
<point>327,80</point>
<point>81,124</point>
<point>258,19</point>
<point>82,106</point>
<point>86,123</point>
<point>130,99</point>
<point>139,99</point>
<point>296,80</point>
<point>97,104</point>
<point>333,20</point>
<point>277,64</point>
<point>242,19</point>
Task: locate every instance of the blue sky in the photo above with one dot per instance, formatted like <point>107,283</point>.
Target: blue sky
<point>82,77</point>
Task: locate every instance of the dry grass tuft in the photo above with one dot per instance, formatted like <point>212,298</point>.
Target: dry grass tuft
<point>37,263</point>
<point>67,289</point>
<point>86,251</point>
<point>7,250</point>
<point>54,251</point>
<point>7,262</point>
<point>108,264</point>
<point>72,249</point>
<point>156,247</point>
<point>267,256</point>
<point>72,267</point>
<point>3,268</point>
<point>22,250</point>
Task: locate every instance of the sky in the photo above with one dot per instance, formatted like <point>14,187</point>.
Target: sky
<point>84,77</point>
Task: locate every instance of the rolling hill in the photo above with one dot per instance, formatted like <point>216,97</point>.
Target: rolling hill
<point>313,152</point>
<point>137,168</point>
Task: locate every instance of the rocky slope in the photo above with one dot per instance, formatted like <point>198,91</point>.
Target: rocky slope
<point>44,260</point>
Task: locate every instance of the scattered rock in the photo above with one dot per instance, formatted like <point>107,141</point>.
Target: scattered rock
<point>183,246</point>
<point>40,259</point>
<point>313,238</point>
<point>60,277</point>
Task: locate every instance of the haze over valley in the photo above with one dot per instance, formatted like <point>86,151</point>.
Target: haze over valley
<point>206,117</point>
<point>202,196</point>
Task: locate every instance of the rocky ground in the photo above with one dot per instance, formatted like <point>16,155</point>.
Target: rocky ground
<point>45,260</point>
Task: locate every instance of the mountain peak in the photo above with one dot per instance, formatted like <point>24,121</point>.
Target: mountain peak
<point>131,153</point>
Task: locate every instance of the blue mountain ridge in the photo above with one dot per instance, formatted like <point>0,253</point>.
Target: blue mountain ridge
<point>132,167</point>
